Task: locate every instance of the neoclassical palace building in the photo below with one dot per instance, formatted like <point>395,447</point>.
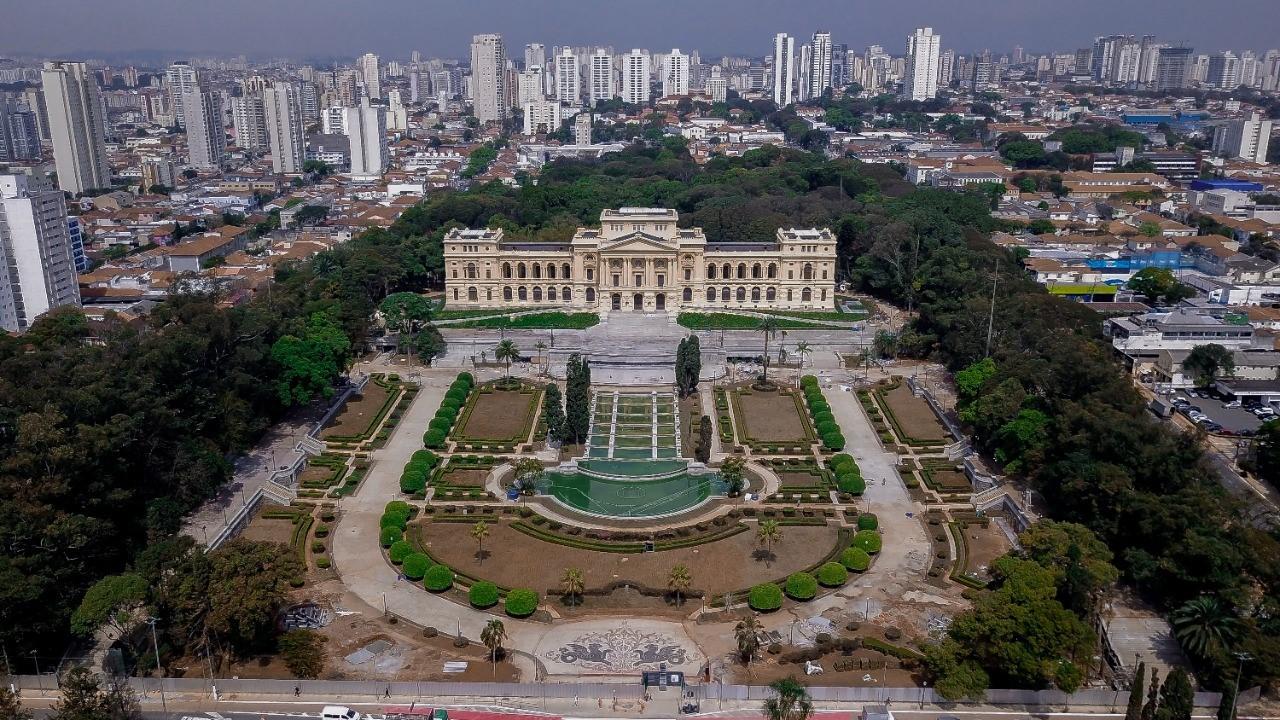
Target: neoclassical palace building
<point>639,259</point>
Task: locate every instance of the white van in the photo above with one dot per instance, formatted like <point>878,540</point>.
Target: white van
<point>338,712</point>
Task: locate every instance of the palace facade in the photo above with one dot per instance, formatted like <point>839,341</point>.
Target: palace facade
<point>640,260</point>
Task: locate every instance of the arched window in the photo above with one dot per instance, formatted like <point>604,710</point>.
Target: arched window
<point>566,271</point>
<point>771,294</point>
<point>506,271</point>
<point>742,294</point>
<point>506,293</point>
<point>521,273</point>
<point>773,271</point>
<point>551,293</point>
<point>471,271</point>
<point>806,295</point>
<point>537,271</point>
<point>472,294</point>
<point>522,293</point>
<point>755,294</point>
<point>742,271</point>
<point>724,294</point>
<point>807,273</point>
<point>688,295</point>
<point>755,271</point>
<point>566,293</point>
<point>551,271</point>
<point>711,271</point>
<point>725,271</point>
<point>537,293</point>
<point>711,294</point>
<point>591,295</point>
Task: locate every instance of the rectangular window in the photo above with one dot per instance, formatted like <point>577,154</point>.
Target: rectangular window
<point>617,280</point>
<point>662,280</point>
<point>639,279</point>
<point>688,274</point>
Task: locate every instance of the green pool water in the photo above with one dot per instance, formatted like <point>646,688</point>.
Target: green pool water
<point>630,498</point>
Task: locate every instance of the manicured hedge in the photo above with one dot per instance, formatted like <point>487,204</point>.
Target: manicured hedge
<point>389,536</point>
<point>867,540</point>
<point>833,441</point>
<point>400,550</point>
<point>414,478</point>
<point>802,586</point>
<point>843,463</point>
<point>765,597</point>
<point>868,521</point>
<point>856,559</point>
<point>415,566</point>
<point>852,484</point>
<point>396,514</point>
<point>483,594</point>
<point>438,578</point>
<point>832,574</point>
<point>521,602</point>
<point>434,439</point>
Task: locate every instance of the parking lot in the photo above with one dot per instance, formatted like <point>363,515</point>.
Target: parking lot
<point>1234,420</point>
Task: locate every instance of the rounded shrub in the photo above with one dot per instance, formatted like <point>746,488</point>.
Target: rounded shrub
<point>827,427</point>
<point>433,439</point>
<point>823,416</point>
<point>832,574</point>
<point>856,559</point>
<point>868,541</point>
<point>450,404</point>
<point>400,550</point>
<point>467,378</point>
<point>458,396</point>
<point>389,536</point>
<point>322,563</point>
<point>833,441</point>
<point>809,381</point>
<point>483,594</point>
<point>843,463</point>
<point>521,602</point>
<point>818,404</point>
<point>765,597</point>
<point>852,484</point>
<point>415,566</point>
<point>441,424</point>
<point>438,578</point>
<point>801,586</point>
<point>868,521</point>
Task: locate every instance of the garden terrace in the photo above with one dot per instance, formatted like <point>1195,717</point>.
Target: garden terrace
<point>801,481</point>
<point>323,472</point>
<point>978,543</point>
<point>945,478</point>
<point>772,422</point>
<point>382,398</point>
<point>498,418</point>
<point>633,426</point>
<point>912,418</point>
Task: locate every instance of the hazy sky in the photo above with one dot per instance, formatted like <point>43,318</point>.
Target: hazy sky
<point>328,28</point>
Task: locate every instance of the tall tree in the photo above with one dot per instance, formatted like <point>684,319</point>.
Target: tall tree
<point>768,534</point>
<point>768,326</point>
<point>577,399</point>
<point>1134,710</point>
<point>479,532</point>
<point>310,362</point>
<point>10,707</point>
<point>83,698</point>
<point>1152,705</point>
<point>1204,626</point>
<point>747,635</point>
<point>679,579</point>
<point>493,635</point>
<point>1206,363</point>
<point>506,352</point>
<point>790,701</point>
<point>733,473</point>
<point>573,583</point>
<point>1177,697</point>
<point>405,312</point>
<point>553,413</point>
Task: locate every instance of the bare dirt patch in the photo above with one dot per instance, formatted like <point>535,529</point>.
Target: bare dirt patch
<point>359,412</point>
<point>915,416</point>
<point>984,545</point>
<point>513,559</point>
<point>262,529</point>
<point>799,479</point>
<point>471,477</point>
<point>770,417</point>
<point>499,415</point>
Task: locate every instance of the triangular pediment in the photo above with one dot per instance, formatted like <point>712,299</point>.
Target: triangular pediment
<point>637,241</point>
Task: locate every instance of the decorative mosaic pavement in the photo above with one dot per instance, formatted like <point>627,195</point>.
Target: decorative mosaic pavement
<point>618,648</point>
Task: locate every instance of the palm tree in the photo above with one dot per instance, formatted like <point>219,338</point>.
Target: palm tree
<point>679,580</point>
<point>747,633</point>
<point>541,347</point>
<point>1204,626</point>
<point>573,584</point>
<point>492,636</point>
<point>480,531</point>
<point>768,326</point>
<point>802,349</point>
<point>789,702</point>
<point>506,351</point>
<point>768,533</point>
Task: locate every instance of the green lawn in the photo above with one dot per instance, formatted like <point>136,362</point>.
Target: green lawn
<point>828,315</point>
<point>730,321</point>
<point>536,321</point>
<point>476,313</point>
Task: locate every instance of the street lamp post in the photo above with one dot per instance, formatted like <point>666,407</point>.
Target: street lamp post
<point>156,644</point>
<point>39,682</point>
<point>1241,656</point>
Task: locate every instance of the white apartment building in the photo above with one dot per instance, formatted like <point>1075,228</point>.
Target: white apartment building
<point>542,116</point>
<point>635,77</point>
<point>181,78</point>
<point>249,120</point>
<point>1224,71</point>
<point>923,52</point>
<point>717,85</point>
<point>529,86</point>
<point>366,130</point>
<point>206,137</point>
<point>817,65</point>
<point>397,113</point>
<point>334,121</point>
<point>367,72</point>
<point>489,78</point>
<point>284,128</point>
<point>582,128</point>
<point>37,266</point>
<point>76,126</point>
<point>1246,138</point>
<point>568,78</point>
<point>784,60</point>
<point>603,86</point>
<point>675,74</point>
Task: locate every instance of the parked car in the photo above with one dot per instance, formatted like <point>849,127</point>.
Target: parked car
<point>1233,404</point>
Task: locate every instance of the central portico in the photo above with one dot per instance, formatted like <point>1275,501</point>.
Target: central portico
<point>640,260</point>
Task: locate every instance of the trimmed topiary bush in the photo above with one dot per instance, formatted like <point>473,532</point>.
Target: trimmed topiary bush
<point>868,521</point>
<point>851,484</point>
<point>808,381</point>
<point>856,559</point>
<point>823,416</point>
<point>438,578</point>
<point>833,441</point>
<point>827,427</point>
<point>868,541</point>
<point>801,586</point>
<point>483,594</point>
<point>765,597</point>
<point>832,574</point>
<point>322,563</point>
<point>440,423</point>
<point>521,602</point>
<point>415,566</point>
<point>433,439</point>
<point>389,536</point>
<point>400,550</point>
<point>467,378</point>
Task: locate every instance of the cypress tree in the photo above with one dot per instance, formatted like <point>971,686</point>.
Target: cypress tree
<point>1134,710</point>
<point>692,365</point>
<point>553,413</point>
<point>577,399</point>
<point>1153,697</point>
<point>1227,705</point>
<point>1176,697</point>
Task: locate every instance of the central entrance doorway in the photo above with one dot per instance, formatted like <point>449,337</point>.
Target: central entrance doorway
<point>617,301</point>
<point>637,302</point>
<point>660,301</point>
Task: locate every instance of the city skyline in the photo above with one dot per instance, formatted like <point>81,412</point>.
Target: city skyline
<point>328,29</point>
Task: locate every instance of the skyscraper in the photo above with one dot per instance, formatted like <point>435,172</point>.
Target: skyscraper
<point>529,86</point>
<point>249,120</point>
<point>568,77</point>
<point>181,78</point>
<point>367,72</point>
<point>600,71</point>
<point>366,128</point>
<point>37,267</point>
<point>489,78</point>
<point>284,127</point>
<point>923,52</point>
<point>206,137</point>
<point>1173,68</point>
<point>675,74</point>
<point>397,113</point>
<point>1247,138</point>
<point>635,77</point>
<point>19,135</point>
<point>784,49</point>
<point>582,129</point>
<point>819,65</point>
<point>76,126</point>
<point>1224,71</point>
<point>535,55</point>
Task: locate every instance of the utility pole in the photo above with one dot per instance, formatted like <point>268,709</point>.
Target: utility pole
<point>991,317</point>
<point>156,644</point>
